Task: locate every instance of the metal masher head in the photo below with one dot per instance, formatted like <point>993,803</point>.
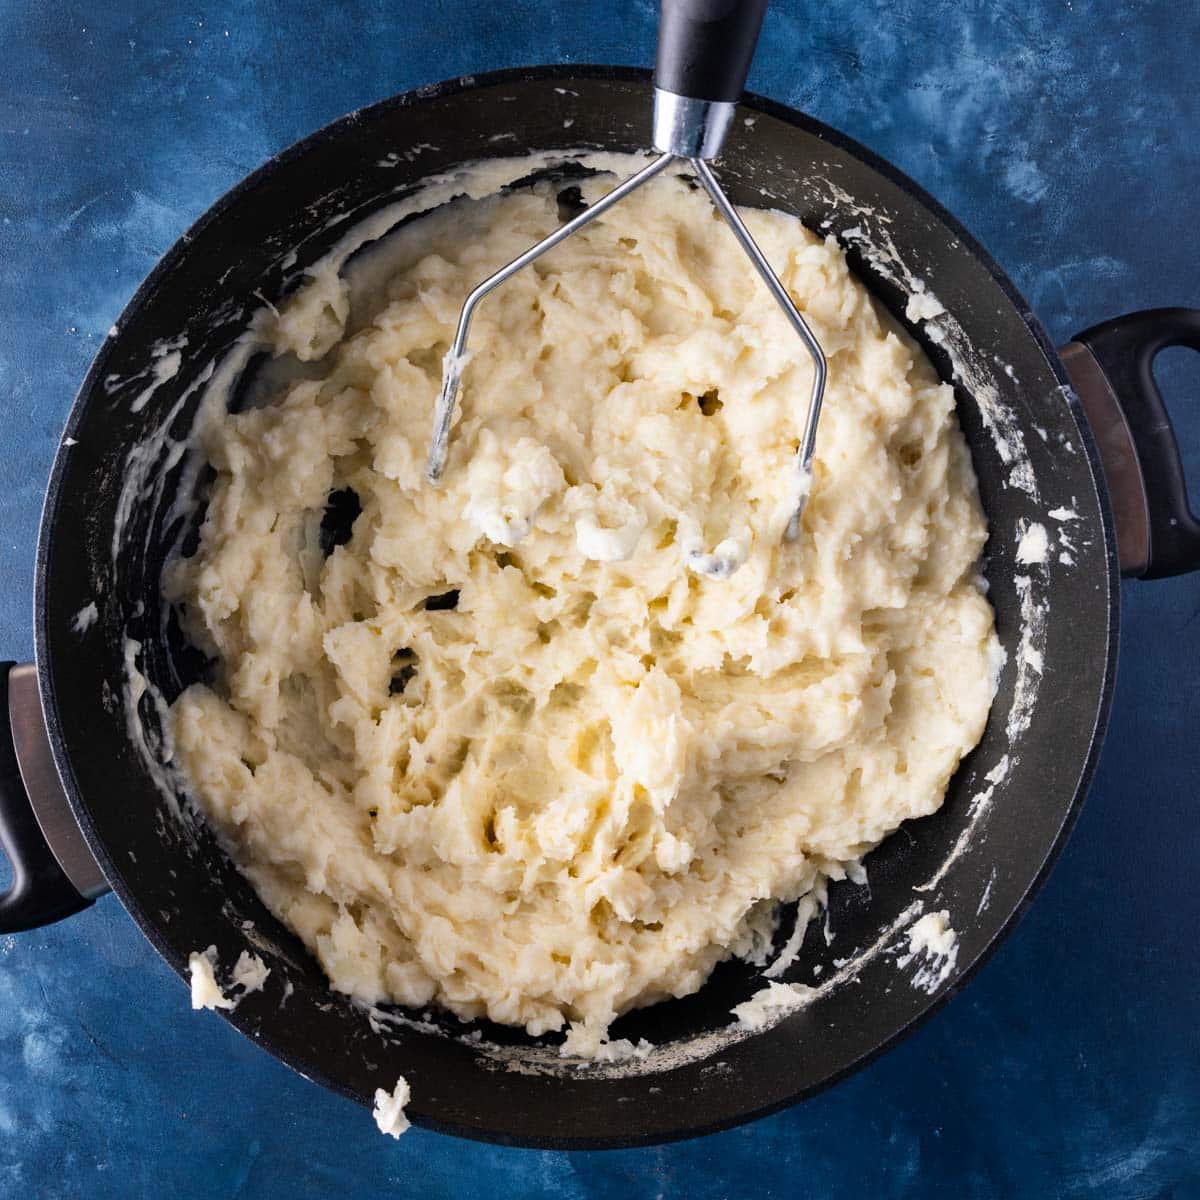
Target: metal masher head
<point>704,53</point>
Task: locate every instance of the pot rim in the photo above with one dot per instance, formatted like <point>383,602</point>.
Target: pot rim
<point>566,73</point>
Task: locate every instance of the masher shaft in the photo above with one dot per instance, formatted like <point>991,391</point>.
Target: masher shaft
<point>444,412</point>
<point>808,439</point>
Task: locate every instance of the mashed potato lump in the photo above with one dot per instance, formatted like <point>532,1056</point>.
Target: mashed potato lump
<point>493,745</point>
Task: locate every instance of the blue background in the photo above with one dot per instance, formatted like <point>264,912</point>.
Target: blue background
<point>1067,136</point>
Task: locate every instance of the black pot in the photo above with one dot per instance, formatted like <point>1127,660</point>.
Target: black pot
<point>89,795</point>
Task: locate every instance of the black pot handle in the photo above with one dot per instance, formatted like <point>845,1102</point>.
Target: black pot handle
<point>1112,368</point>
<point>40,891</point>
<point>705,47</point>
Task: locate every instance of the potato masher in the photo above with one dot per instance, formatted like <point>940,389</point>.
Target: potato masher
<point>704,53</point>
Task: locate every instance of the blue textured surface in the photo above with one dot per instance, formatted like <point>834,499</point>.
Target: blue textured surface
<point>1067,136</point>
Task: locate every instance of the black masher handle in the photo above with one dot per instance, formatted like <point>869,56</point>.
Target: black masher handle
<point>705,47</point>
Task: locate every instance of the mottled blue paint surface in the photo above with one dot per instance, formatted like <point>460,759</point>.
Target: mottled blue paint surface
<point>1067,136</point>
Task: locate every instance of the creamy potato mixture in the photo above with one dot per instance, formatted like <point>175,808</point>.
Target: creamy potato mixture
<point>495,745</point>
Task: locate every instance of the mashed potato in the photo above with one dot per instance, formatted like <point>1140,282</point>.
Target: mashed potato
<point>493,745</point>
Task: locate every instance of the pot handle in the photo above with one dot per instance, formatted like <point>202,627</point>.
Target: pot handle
<point>41,890</point>
<point>1111,366</point>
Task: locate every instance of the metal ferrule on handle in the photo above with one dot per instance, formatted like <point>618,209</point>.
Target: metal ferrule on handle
<point>690,128</point>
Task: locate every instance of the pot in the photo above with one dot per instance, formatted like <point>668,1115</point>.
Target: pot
<point>1077,444</point>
